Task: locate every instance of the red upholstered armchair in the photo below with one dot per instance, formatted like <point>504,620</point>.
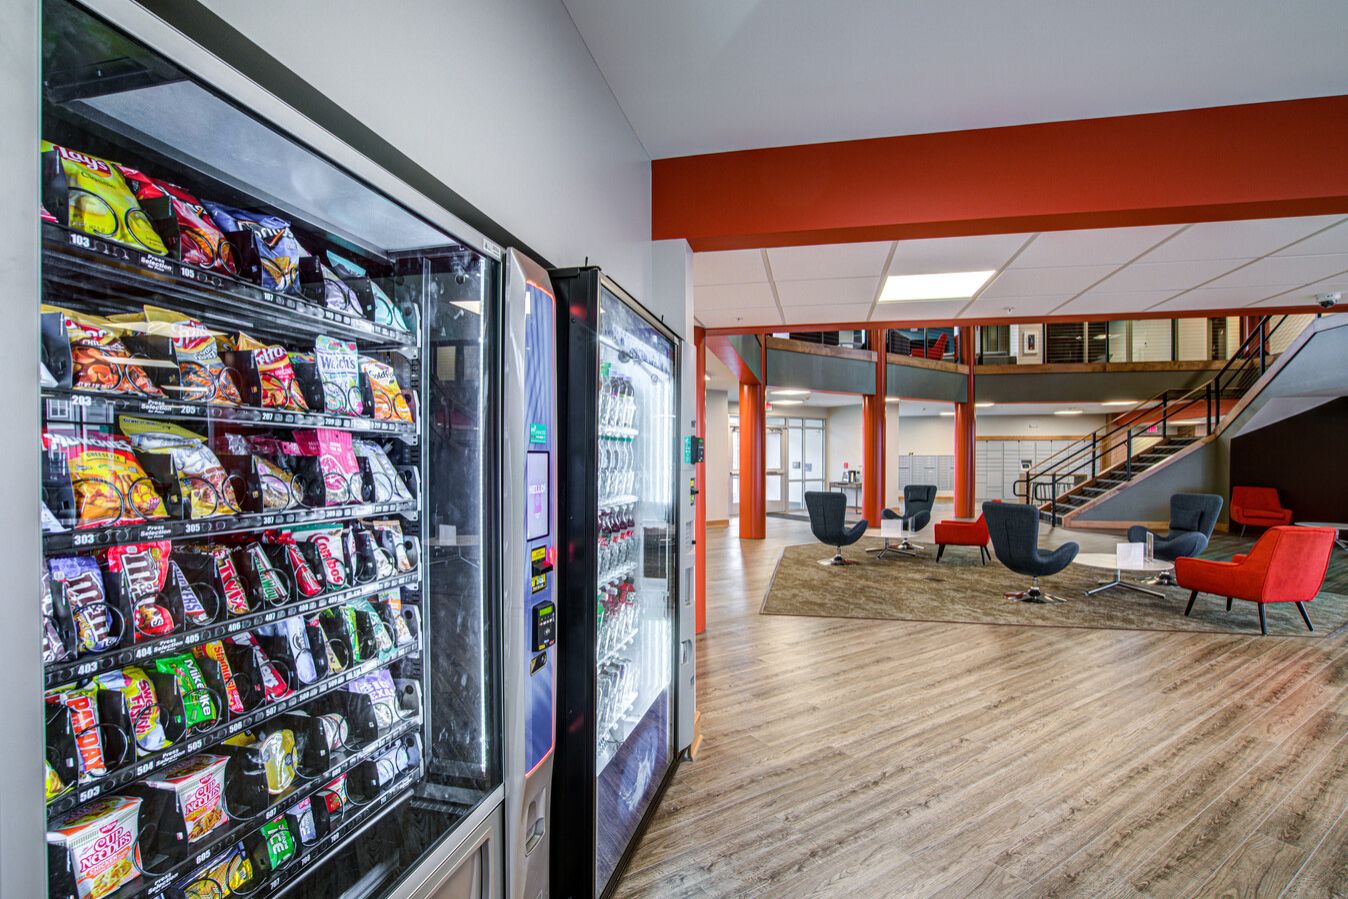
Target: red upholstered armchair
<point>935,351</point>
<point>1287,564</point>
<point>1259,506</point>
<point>963,533</point>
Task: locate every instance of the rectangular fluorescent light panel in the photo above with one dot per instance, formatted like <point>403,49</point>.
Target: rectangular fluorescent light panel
<point>943,286</point>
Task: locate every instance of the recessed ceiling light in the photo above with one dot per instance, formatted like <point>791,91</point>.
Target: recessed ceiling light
<point>1069,412</point>
<point>788,402</point>
<point>947,414</point>
<point>942,286</point>
<point>706,377</point>
<point>983,405</point>
<point>1120,403</point>
<point>788,391</point>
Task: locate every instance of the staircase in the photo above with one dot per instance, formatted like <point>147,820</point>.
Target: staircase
<point>1147,435</point>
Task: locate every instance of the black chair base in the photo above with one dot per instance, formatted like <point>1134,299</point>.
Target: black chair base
<point>838,561</point>
<point>1263,616</point>
<point>983,553</point>
<point>1035,595</point>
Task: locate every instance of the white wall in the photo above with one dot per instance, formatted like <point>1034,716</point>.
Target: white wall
<point>1035,425</point>
<point>717,461</point>
<point>500,100</point>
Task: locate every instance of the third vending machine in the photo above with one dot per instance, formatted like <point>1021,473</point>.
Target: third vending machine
<point>619,406</point>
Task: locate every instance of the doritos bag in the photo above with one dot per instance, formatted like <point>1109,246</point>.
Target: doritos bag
<point>200,242</point>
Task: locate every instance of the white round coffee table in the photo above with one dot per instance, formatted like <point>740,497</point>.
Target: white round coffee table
<point>1110,562</point>
<point>1338,526</point>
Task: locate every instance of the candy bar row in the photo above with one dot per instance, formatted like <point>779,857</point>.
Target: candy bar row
<point>140,592</point>
<point>281,786</point>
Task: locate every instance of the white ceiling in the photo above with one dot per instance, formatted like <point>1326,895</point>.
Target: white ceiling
<point>1169,268</point>
<point>700,76</point>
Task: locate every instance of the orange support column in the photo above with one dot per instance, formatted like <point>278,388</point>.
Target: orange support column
<point>965,444</point>
<point>700,509</point>
<point>873,435</point>
<point>753,445</point>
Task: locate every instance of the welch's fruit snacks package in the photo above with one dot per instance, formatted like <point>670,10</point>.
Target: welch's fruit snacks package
<point>269,239</point>
<point>101,203</point>
<point>103,841</point>
<point>339,370</point>
<point>200,242</point>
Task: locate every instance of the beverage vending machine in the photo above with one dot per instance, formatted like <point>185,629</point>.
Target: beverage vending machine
<point>261,649</point>
<point>620,582</point>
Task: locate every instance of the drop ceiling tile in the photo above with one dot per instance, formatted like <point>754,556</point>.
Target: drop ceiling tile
<point>725,317</point>
<point>732,296</point>
<point>729,267</point>
<point>839,260</point>
<point>919,311</point>
<point>1170,276</point>
<point>1331,240</point>
<point>1109,302</point>
<point>1094,246</point>
<point>1237,240</point>
<point>985,307</point>
<point>1222,298</point>
<point>955,254</point>
<point>828,313</point>
<point>824,291</point>
<point>1285,272</point>
<point>1337,284</point>
<point>1037,282</point>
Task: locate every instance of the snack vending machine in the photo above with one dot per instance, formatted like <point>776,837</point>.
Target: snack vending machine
<point>617,618</point>
<point>269,598</point>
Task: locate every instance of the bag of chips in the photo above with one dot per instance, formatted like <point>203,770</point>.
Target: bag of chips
<point>378,685</point>
<point>82,705</point>
<point>388,486</point>
<point>110,486</point>
<point>144,569</point>
<point>269,238</point>
<point>103,842</point>
<point>142,706</point>
<point>202,374</point>
<point>99,359</point>
<point>201,477</point>
<point>342,480</point>
<point>276,376</point>
<point>220,878</point>
<point>389,533</point>
<point>200,242</point>
<point>96,627</point>
<point>319,280</point>
<point>389,402</point>
<point>393,600</point>
<point>101,203</point>
<point>385,311</point>
<point>338,368</point>
<point>383,640</point>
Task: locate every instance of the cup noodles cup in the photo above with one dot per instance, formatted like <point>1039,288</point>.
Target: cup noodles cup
<point>197,785</point>
<point>102,839</point>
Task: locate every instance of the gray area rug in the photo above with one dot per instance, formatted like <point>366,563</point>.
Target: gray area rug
<point>959,589</point>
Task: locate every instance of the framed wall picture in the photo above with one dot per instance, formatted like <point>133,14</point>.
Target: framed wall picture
<point>1029,341</point>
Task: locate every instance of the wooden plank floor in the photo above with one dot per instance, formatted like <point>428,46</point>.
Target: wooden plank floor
<point>892,758</point>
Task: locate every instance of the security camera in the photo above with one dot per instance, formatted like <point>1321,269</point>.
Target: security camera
<point>1327,300</point>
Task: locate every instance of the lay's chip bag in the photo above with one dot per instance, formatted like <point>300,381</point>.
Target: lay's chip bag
<point>101,203</point>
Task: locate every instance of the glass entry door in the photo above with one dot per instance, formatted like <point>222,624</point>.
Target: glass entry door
<point>805,459</point>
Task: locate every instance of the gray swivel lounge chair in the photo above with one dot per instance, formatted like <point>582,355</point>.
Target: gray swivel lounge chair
<point>1192,518</point>
<point>917,502</point>
<point>828,513</point>
<point>1014,529</point>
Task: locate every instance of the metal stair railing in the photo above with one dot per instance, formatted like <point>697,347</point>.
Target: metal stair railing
<point>1087,457</point>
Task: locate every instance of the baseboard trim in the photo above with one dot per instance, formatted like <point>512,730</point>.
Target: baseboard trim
<point>1092,525</point>
<point>718,522</point>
